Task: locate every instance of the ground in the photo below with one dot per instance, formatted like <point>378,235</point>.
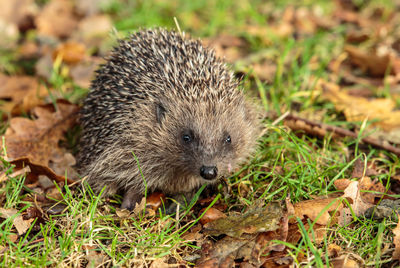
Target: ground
<point>322,189</point>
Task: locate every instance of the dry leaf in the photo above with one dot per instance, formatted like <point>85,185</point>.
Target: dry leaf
<point>38,139</point>
<point>342,184</point>
<point>212,214</point>
<point>318,209</point>
<point>57,19</point>
<point>396,241</point>
<point>345,261</point>
<point>36,170</point>
<point>359,206</point>
<point>155,201</point>
<point>83,72</point>
<point>255,220</point>
<point>90,7</point>
<point>229,47</point>
<point>375,65</point>
<point>18,12</point>
<point>161,263</point>
<point>94,31</point>
<point>359,109</point>
<point>19,223</point>
<point>21,93</point>
<point>70,52</point>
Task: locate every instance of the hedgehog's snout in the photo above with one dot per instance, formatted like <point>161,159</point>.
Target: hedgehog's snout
<point>209,172</point>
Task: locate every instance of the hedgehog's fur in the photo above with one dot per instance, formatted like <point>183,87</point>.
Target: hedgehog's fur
<point>155,87</point>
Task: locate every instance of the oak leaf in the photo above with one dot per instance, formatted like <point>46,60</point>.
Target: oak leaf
<point>37,140</point>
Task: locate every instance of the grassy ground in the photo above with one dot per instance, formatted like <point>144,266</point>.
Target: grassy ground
<point>286,165</point>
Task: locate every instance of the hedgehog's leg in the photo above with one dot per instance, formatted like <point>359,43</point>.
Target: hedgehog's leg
<point>131,197</point>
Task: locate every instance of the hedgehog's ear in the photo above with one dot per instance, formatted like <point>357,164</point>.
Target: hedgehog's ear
<point>160,112</point>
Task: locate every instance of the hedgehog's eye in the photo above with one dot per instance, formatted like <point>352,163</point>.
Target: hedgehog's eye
<point>187,138</point>
<point>228,139</point>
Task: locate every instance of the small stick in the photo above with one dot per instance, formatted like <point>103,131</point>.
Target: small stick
<point>345,132</point>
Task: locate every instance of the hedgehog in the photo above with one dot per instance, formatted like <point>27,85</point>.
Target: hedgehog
<point>163,114</point>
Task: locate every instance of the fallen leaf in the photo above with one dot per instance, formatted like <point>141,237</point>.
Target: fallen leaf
<point>70,52</point>
<point>83,73</point>
<point>94,32</point>
<point>341,184</point>
<point>318,209</point>
<point>19,223</point>
<point>90,7</point>
<point>211,214</point>
<point>155,200</point>
<point>18,12</point>
<point>21,93</point>
<point>358,205</point>
<point>8,36</point>
<point>229,47</point>
<point>37,169</point>
<point>348,260</point>
<point>396,241</point>
<point>57,19</point>
<point>369,62</point>
<point>255,220</point>
<point>334,250</point>
<point>37,140</point>
<point>357,109</point>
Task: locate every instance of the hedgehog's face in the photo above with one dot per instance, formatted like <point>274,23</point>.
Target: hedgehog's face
<point>208,142</point>
<point>206,153</point>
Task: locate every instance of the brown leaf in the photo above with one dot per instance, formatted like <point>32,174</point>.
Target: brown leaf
<point>37,140</point>
<point>265,70</point>
<point>19,223</point>
<point>21,93</point>
<point>396,241</point>
<point>318,209</point>
<point>255,220</point>
<point>370,62</point>
<point>57,19</point>
<point>94,31</point>
<point>212,214</point>
<point>18,12</point>
<point>359,206</point>
<point>334,250</point>
<point>349,260</point>
<point>222,253</point>
<point>90,7</point>
<point>70,52</point>
<point>362,169</point>
<point>229,47</point>
<point>341,184</point>
<point>358,109</point>
<point>83,72</point>
<point>29,50</point>
<point>155,200</point>
<point>36,170</point>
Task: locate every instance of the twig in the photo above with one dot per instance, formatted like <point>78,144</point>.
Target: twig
<point>344,132</point>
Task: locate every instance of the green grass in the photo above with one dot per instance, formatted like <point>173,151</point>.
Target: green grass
<point>286,164</point>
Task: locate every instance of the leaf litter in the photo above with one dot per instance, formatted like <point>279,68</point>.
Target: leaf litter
<point>69,32</point>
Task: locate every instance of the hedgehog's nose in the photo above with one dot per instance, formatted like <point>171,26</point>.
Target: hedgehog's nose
<point>209,173</point>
